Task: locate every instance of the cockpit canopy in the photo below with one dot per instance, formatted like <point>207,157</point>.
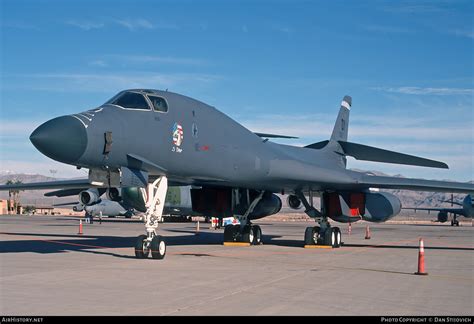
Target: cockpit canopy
<point>139,100</point>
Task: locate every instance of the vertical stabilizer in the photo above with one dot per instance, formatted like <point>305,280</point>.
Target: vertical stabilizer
<point>339,133</point>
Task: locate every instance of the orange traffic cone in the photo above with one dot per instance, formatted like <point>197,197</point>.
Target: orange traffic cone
<point>80,227</point>
<point>367,233</point>
<point>421,260</point>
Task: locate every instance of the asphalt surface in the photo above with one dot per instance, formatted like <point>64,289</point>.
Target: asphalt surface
<point>46,268</point>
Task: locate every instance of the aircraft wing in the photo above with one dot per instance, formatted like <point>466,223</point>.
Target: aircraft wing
<point>60,184</point>
<point>383,182</point>
<point>458,211</point>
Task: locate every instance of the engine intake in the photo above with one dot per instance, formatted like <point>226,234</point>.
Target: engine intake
<point>113,194</point>
<point>89,197</point>
<point>442,217</point>
<point>293,202</point>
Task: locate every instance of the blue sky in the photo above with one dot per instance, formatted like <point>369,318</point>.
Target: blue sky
<point>275,66</point>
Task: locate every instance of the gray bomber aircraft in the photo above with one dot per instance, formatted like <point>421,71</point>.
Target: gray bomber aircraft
<point>466,210</point>
<point>154,139</point>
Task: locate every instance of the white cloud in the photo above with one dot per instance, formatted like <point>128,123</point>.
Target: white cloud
<point>282,29</point>
<point>134,24</point>
<point>98,63</point>
<point>65,82</point>
<point>427,91</point>
<point>463,33</point>
<point>380,127</point>
<point>387,29</point>
<point>86,24</point>
<point>155,59</point>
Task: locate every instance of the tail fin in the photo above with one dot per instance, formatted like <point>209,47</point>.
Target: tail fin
<point>339,133</point>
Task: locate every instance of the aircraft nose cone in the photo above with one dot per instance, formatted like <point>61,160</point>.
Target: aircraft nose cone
<point>63,139</point>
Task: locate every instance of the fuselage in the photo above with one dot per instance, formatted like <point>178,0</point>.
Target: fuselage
<point>194,142</point>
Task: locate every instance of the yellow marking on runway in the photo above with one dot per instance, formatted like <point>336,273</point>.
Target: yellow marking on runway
<point>318,247</point>
<point>236,244</point>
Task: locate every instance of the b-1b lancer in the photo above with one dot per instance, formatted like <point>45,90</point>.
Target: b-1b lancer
<point>155,139</point>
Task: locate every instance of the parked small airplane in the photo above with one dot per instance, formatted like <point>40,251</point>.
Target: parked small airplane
<point>466,210</point>
<point>153,139</point>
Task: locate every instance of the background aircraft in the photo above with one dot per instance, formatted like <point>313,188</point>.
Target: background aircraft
<point>125,201</point>
<point>153,139</point>
<point>466,210</point>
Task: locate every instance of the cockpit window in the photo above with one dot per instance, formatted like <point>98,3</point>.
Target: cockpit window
<point>130,100</point>
<point>159,104</point>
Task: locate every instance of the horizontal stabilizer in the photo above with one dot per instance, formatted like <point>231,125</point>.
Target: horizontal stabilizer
<point>274,136</point>
<point>370,153</point>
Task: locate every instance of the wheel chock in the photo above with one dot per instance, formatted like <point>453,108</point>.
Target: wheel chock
<point>318,247</point>
<point>236,244</point>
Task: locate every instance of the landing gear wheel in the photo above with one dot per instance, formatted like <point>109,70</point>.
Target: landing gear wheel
<point>308,234</point>
<point>248,235</point>
<point>338,237</point>
<point>231,233</point>
<point>141,247</point>
<point>330,237</point>
<point>311,236</point>
<point>257,233</point>
<point>456,222</point>
<point>158,247</point>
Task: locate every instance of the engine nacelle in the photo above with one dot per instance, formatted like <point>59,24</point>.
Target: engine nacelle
<point>269,205</point>
<point>227,202</point>
<point>89,197</point>
<point>353,206</point>
<point>113,194</point>
<point>293,202</point>
<point>442,217</point>
<point>134,197</point>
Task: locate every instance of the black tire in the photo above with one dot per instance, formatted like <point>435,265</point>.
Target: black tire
<point>257,232</point>
<point>457,223</point>
<point>158,247</point>
<point>308,236</point>
<point>311,236</point>
<point>330,237</point>
<point>229,233</point>
<point>140,251</point>
<point>337,230</point>
<point>248,235</point>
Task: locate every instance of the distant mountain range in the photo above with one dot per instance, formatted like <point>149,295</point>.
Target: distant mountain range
<point>408,198</point>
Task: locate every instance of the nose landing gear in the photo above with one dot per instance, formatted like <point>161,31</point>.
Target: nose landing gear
<point>151,242</point>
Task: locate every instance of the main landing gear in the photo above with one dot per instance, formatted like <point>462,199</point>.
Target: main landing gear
<point>454,221</point>
<point>151,242</point>
<point>249,233</point>
<point>245,232</point>
<point>324,234</point>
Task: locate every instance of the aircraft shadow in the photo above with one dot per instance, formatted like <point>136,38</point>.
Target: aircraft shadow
<point>59,243</point>
<point>414,247</point>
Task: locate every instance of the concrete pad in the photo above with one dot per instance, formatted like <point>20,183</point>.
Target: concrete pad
<point>47,269</point>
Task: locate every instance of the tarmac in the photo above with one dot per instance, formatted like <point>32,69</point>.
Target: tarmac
<point>46,268</point>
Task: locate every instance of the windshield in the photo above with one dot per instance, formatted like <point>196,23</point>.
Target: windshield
<point>130,100</point>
